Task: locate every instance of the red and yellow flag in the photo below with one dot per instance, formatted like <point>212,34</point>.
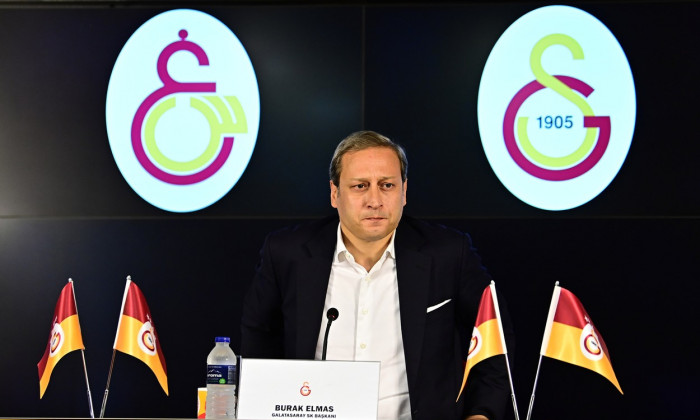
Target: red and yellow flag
<point>65,335</point>
<point>136,333</point>
<point>487,337</point>
<point>571,337</point>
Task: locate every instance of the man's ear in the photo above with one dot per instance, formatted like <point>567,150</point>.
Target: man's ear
<point>334,195</point>
<point>405,187</point>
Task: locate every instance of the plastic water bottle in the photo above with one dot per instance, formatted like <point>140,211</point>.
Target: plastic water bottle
<point>221,381</point>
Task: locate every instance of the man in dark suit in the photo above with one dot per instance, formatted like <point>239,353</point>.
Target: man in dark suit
<point>407,291</point>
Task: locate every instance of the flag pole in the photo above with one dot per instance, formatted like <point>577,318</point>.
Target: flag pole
<point>505,349</point>
<point>512,390</point>
<point>545,343</point>
<point>89,394</point>
<point>532,397</point>
<point>114,350</point>
<point>109,379</point>
<point>82,352</point>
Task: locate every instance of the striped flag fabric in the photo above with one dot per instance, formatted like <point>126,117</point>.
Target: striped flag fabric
<point>487,337</point>
<point>65,335</point>
<point>136,333</point>
<point>571,337</point>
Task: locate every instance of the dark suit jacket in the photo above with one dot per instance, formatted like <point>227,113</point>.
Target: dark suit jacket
<point>283,311</point>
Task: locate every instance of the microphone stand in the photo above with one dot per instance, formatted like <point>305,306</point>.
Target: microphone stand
<point>332,315</point>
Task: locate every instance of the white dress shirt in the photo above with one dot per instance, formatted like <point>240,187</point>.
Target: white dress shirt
<point>368,326</point>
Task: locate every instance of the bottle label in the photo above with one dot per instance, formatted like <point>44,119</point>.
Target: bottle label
<point>221,374</point>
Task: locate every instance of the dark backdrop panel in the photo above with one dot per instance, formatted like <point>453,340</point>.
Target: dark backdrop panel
<point>55,69</point>
<point>637,279</point>
<point>421,73</point>
<point>424,65</point>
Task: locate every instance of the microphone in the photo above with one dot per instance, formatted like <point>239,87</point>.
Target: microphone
<point>332,315</point>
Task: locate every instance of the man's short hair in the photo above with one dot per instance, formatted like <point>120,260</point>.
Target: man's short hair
<point>364,140</point>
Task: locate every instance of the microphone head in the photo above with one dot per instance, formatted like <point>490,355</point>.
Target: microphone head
<point>332,314</point>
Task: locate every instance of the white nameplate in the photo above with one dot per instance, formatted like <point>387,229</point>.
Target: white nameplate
<point>307,389</point>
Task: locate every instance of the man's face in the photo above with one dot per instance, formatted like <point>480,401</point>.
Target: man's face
<point>370,195</point>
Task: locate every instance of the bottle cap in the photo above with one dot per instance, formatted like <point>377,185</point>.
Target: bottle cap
<point>223,340</point>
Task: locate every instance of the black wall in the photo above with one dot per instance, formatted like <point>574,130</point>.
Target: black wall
<point>410,71</point>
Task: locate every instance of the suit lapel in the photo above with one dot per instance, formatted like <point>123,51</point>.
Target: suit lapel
<point>413,273</point>
<point>312,283</point>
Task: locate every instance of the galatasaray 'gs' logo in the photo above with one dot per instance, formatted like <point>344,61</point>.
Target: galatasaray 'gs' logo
<point>57,339</point>
<point>147,339</point>
<point>556,108</point>
<point>182,110</point>
<point>474,344</point>
<point>590,344</point>
<point>520,147</point>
